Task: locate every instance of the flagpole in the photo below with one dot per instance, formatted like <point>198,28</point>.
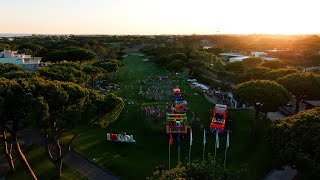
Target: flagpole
<point>215,153</point>
<point>179,148</point>
<point>190,144</point>
<point>225,152</point>
<point>204,143</point>
<point>169,148</point>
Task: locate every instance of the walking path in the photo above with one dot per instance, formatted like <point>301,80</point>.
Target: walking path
<point>72,159</point>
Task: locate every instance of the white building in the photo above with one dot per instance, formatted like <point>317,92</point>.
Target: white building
<point>258,54</point>
<point>239,58</point>
<point>13,54</point>
<point>24,60</point>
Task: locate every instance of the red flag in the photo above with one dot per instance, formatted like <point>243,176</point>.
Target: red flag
<point>171,140</point>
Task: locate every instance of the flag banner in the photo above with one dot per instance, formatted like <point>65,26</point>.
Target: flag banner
<point>227,143</point>
<point>191,137</point>
<point>178,140</point>
<point>204,137</point>
<point>170,140</point>
<point>217,140</point>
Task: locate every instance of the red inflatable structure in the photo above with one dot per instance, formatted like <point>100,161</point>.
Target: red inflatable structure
<point>219,118</point>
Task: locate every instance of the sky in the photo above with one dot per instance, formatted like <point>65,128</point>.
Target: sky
<point>147,17</point>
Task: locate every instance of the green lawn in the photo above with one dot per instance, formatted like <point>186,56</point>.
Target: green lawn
<point>42,167</point>
<point>114,44</point>
<point>136,161</point>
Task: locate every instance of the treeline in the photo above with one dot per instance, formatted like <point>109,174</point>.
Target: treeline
<point>42,45</point>
<point>43,100</point>
<point>197,62</point>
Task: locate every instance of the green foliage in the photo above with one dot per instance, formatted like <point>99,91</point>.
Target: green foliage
<point>261,91</point>
<point>295,141</point>
<point>176,66</point>
<point>255,74</point>
<point>208,59</point>
<point>302,85</point>
<point>194,65</point>
<point>68,72</point>
<point>199,170</point>
<point>276,64</point>
<point>236,67</point>
<point>252,62</point>
<point>278,73</point>
<point>33,48</point>
<point>70,54</point>
<point>109,66</point>
<point>55,56</point>
<point>162,60</point>
<point>316,71</point>
<point>17,75</point>
<point>9,67</point>
<point>4,46</point>
<point>178,56</point>
<point>269,94</point>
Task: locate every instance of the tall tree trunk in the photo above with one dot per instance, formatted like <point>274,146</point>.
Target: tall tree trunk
<point>265,115</point>
<point>72,139</point>
<point>256,118</point>
<point>59,158</point>
<point>54,129</point>
<point>23,159</point>
<point>297,105</point>
<point>92,82</point>
<point>8,151</point>
<point>48,150</point>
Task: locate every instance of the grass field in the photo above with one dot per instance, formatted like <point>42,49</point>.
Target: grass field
<point>42,167</point>
<point>136,161</point>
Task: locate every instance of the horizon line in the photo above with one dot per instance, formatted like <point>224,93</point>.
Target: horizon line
<point>164,34</point>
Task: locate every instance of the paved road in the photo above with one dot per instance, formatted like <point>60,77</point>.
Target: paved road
<point>72,159</point>
<point>275,115</point>
<point>286,174</point>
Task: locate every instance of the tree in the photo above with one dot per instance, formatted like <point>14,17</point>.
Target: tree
<point>34,48</point>
<point>295,141</point>
<point>70,54</point>
<point>178,56</point>
<point>255,73</point>
<point>9,67</point>
<point>93,72</point>
<point>79,54</point>
<point>162,60</point>
<point>55,56</point>
<point>17,75</point>
<point>176,66</point>
<point>302,86</point>
<point>194,66</point>
<point>236,67</point>
<point>276,64</point>
<point>252,62</point>
<point>199,170</point>
<point>58,97</point>
<point>68,72</point>
<point>4,46</point>
<point>278,73</point>
<point>262,94</point>
<point>110,66</point>
<point>17,103</point>
<point>316,59</point>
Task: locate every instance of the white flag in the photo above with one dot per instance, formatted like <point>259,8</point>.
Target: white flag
<point>227,143</point>
<point>191,137</point>
<point>204,137</point>
<point>217,140</point>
